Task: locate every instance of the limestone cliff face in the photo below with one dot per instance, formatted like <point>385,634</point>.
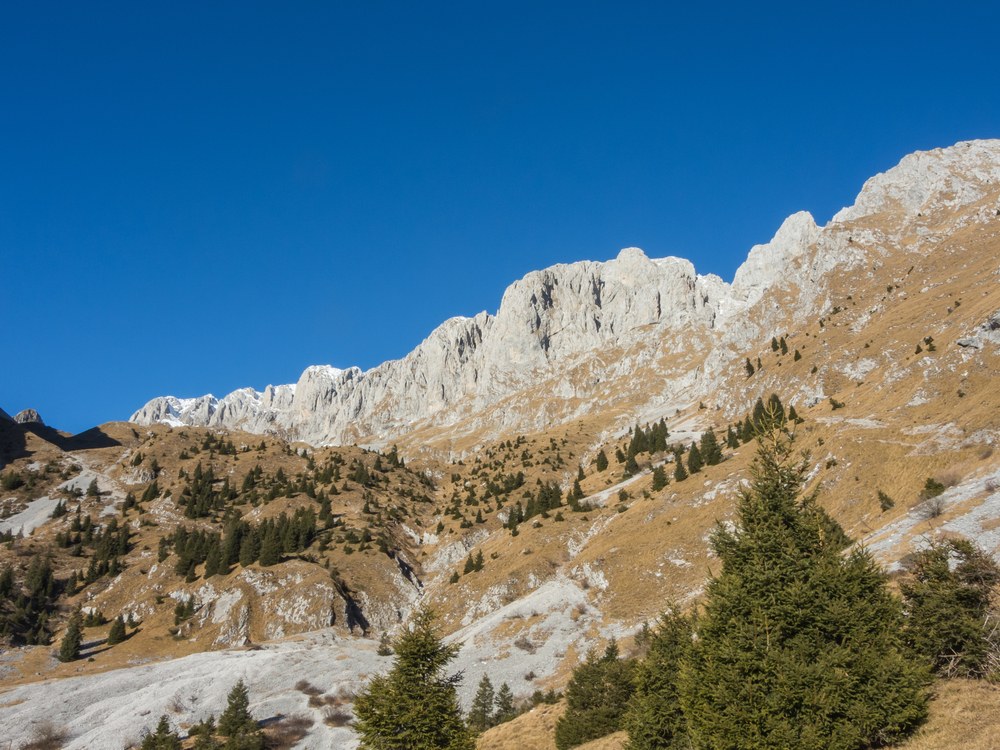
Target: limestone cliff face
<point>576,331</point>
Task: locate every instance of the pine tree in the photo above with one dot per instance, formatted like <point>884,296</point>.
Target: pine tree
<point>694,459</point>
<point>602,460</point>
<point>680,473</point>
<point>799,646</point>
<point>732,439</point>
<point>947,594</point>
<point>654,718</point>
<point>415,706</point>
<point>69,648</point>
<point>164,738</point>
<point>710,450</point>
<point>659,478</point>
<point>117,632</point>
<point>631,467</point>
<point>596,698</point>
<point>748,366</point>
<point>481,712</point>
<point>505,710</point>
<point>237,723</point>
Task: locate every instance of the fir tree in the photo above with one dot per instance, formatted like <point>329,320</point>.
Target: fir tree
<point>694,459</point>
<point>117,632</point>
<point>654,718</point>
<point>602,460</point>
<point>748,366</point>
<point>164,738</point>
<point>415,706</point>
<point>947,594</point>
<point>481,712</point>
<point>69,648</point>
<point>799,646</point>
<point>631,467</point>
<point>237,723</point>
<point>680,473</point>
<point>596,698</point>
<point>711,452</point>
<point>505,710</point>
<point>659,478</point>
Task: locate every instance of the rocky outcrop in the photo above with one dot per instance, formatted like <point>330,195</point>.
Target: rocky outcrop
<point>28,416</point>
<point>560,320</point>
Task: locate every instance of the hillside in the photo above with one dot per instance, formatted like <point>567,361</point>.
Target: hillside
<point>247,537</point>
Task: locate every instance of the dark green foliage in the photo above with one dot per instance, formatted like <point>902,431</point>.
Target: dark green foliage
<point>711,451</point>
<point>784,345</point>
<point>659,478</point>
<point>654,718</point>
<point>732,439</point>
<point>680,473</point>
<point>69,647</point>
<point>601,462</point>
<point>796,356</point>
<point>117,632</point>
<point>695,461</point>
<point>800,645</point>
<point>774,344</point>
<point>384,646</point>
<point>631,467</point>
<point>164,738</point>
<point>481,711</point>
<point>505,710</point>
<point>10,481</point>
<point>26,606</point>
<point>835,404</point>
<point>947,597</point>
<point>596,698</point>
<point>238,724</point>
<point>885,502</point>
<point>932,488</point>
<point>414,706</point>
<point>748,366</point>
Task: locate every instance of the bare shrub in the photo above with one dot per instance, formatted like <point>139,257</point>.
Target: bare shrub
<point>932,508</point>
<point>525,644</point>
<point>337,716</point>
<point>990,485</point>
<point>285,733</point>
<point>949,478</point>
<point>304,686</point>
<point>47,736</point>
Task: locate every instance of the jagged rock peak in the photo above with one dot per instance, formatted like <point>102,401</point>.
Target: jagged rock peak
<point>28,416</point>
<point>925,180</point>
<point>561,317</point>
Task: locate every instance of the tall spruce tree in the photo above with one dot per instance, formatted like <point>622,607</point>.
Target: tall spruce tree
<point>948,597</point>
<point>799,646</point>
<point>69,648</point>
<point>117,632</point>
<point>237,723</point>
<point>711,451</point>
<point>654,719</point>
<point>481,712</point>
<point>596,698</point>
<point>695,461</point>
<point>414,706</point>
<point>164,738</point>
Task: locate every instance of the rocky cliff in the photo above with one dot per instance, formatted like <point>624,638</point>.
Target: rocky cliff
<point>581,331</point>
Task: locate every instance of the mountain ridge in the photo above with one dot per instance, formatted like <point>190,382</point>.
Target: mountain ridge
<point>551,320</point>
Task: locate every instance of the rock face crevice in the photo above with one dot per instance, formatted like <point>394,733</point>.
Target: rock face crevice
<point>576,331</point>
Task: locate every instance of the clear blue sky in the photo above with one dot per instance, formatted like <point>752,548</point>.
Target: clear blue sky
<point>196,197</point>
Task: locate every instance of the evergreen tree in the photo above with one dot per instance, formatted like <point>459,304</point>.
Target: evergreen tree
<point>680,473</point>
<point>748,366</point>
<point>659,478</point>
<point>732,439</point>
<point>270,546</point>
<point>414,706</point>
<point>799,646</point>
<point>505,710</point>
<point>238,724</point>
<point>164,738</point>
<point>694,459</point>
<point>631,467</point>
<point>602,460</point>
<point>947,595</point>
<point>711,452</point>
<point>481,712</point>
<point>596,698</point>
<point>117,632</point>
<point>69,648</point>
<point>654,718</point>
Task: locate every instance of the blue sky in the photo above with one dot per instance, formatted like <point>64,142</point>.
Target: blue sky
<point>196,197</point>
